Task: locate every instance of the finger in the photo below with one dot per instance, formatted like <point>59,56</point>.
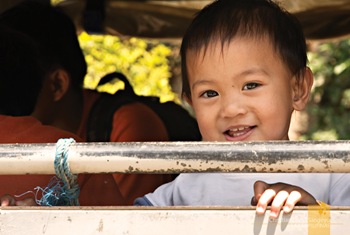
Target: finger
<point>259,189</point>
<point>277,203</point>
<point>306,199</point>
<point>26,202</point>
<point>264,200</point>
<point>253,201</point>
<point>292,200</point>
<point>7,200</point>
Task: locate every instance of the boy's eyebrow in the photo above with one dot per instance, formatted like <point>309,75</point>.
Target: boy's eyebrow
<point>200,82</point>
<point>250,71</point>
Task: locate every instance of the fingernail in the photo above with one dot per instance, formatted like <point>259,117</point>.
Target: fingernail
<point>260,210</point>
<point>5,203</point>
<point>287,209</point>
<point>273,215</point>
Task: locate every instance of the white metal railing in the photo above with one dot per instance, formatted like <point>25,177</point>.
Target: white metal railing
<point>175,157</point>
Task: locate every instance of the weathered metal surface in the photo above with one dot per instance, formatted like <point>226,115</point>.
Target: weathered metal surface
<point>170,157</point>
<point>170,221</point>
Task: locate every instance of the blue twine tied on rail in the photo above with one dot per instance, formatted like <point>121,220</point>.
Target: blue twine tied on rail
<point>63,190</point>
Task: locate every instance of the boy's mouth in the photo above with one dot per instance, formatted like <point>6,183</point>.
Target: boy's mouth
<point>238,131</point>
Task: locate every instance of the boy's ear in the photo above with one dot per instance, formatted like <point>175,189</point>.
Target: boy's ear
<point>302,90</point>
<point>60,82</point>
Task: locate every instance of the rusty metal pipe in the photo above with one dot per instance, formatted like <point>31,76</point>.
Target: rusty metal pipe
<point>176,157</point>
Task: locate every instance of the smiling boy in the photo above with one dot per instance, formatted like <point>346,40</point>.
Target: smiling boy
<point>245,73</point>
<point>240,91</point>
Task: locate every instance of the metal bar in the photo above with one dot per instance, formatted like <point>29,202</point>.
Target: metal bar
<point>172,157</point>
<point>171,221</point>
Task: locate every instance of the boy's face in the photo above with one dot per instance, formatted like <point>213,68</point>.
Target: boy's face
<point>241,92</point>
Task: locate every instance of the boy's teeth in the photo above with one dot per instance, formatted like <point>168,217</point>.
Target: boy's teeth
<point>238,129</point>
<point>237,134</point>
<point>234,132</point>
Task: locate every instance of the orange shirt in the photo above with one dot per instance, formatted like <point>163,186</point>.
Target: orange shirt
<point>131,123</point>
<point>95,189</point>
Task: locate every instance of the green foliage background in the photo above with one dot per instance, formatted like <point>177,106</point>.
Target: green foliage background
<point>329,116</point>
<point>145,63</point>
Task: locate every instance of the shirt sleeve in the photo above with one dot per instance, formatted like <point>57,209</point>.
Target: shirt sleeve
<point>142,201</point>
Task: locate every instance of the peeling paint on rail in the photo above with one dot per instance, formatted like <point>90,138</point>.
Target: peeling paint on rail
<point>175,157</point>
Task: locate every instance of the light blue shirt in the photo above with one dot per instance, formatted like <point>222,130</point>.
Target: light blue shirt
<point>236,189</point>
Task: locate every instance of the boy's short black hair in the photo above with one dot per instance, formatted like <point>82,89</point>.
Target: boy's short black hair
<point>55,31</point>
<point>223,20</point>
<point>22,73</point>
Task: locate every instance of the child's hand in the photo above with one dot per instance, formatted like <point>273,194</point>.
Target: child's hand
<point>279,195</point>
<point>8,200</point>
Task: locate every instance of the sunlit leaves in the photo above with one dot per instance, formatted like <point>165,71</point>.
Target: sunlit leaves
<point>145,63</point>
<point>329,110</point>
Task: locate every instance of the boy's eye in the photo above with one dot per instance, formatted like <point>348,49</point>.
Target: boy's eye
<point>250,86</point>
<point>208,94</point>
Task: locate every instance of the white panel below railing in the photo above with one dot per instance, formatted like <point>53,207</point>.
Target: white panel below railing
<point>164,221</point>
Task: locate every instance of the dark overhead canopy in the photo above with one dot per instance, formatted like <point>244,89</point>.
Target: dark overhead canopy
<point>321,19</point>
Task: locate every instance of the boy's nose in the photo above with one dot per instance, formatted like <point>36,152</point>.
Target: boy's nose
<point>233,106</point>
